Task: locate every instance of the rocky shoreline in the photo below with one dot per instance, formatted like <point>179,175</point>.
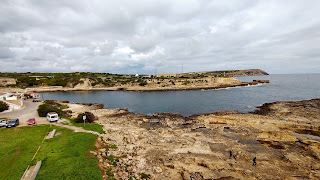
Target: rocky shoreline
<point>220,145</point>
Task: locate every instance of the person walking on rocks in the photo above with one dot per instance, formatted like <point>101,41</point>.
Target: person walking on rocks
<point>254,161</point>
<point>230,154</point>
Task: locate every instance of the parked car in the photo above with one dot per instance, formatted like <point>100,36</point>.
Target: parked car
<point>12,123</point>
<point>52,117</point>
<point>3,122</point>
<point>31,121</point>
<point>35,100</point>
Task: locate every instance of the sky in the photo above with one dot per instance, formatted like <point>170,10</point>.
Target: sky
<point>152,36</point>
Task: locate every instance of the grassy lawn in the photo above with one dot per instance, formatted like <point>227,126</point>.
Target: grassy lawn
<point>66,156</point>
<point>90,127</point>
<point>17,147</point>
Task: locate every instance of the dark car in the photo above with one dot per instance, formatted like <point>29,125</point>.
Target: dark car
<point>35,100</point>
<point>12,123</point>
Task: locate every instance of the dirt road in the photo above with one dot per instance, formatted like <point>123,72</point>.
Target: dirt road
<point>24,114</point>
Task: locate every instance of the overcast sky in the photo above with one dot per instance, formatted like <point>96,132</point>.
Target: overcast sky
<point>139,36</point>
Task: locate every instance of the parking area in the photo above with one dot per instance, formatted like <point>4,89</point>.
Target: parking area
<point>30,111</point>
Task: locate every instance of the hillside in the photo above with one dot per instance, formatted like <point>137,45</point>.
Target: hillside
<point>246,72</point>
<point>106,80</point>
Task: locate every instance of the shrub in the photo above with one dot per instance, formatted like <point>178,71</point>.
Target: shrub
<point>145,176</point>
<point>89,117</point>
<point>3,106</point>
<point>51,106</point>
<point>43,109</point>
<point>143,83</point>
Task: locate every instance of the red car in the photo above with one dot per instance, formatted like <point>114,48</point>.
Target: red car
<point>31,121</point>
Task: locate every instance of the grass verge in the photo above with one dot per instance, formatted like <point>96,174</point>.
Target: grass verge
<point>66,156</point>
<point>90,127</point>
<point>17,147</point>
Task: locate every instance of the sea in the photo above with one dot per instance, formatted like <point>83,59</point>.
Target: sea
<point>282,87</point>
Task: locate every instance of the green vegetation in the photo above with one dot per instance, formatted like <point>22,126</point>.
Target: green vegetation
<point>66,156</point>
<point>143,83</point>
<point>145,176</point>
<point>3,106</point>
<point>89,117</point>
<point>17,147</point>
<point>113,146</point>
<point>90,127</point>
<point>29,79</point>
<point>51,106</point>
<point>64,106</point>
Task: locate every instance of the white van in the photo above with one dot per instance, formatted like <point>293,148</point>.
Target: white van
<point>52,117</point>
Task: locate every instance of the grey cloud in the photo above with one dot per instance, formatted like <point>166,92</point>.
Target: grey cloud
<point>145,42</point>
<point>137,36</point>
<point>6,53</point>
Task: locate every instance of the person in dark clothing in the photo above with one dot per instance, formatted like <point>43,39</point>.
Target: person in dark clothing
<point>230,154</point>
<point>254,161</point>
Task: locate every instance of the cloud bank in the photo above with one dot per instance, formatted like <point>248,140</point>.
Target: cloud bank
<point>125,36</point>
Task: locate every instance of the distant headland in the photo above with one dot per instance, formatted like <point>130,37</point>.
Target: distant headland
<point>87,81</point>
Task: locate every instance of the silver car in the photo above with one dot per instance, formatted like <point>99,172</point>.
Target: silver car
<point>3,122</point>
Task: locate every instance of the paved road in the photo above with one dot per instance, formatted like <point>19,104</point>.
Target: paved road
<point>24,114</point>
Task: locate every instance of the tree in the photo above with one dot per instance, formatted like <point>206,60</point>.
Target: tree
<point>89,117</point>
<point>3,106</point>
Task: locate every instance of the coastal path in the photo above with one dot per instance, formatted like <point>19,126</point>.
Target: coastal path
<point>77,129</point>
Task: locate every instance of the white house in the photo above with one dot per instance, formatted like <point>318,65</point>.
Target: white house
<point>33,95</point>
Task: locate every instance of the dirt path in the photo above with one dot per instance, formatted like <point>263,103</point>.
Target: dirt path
<point>77,129</point>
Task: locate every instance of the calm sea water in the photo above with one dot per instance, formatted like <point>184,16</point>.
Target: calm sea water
<point>243,99</point>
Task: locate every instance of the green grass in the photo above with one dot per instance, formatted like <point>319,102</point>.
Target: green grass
<point>67,156</point>
<point>64,106</point>
<point>90,127</point>
<point>17,147</point>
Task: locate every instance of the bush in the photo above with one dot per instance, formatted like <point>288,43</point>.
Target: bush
<point>89,117</point>
<point>43,109</point>
<point>51,106</point>
<point>3,106</point>
<point>143,83</point>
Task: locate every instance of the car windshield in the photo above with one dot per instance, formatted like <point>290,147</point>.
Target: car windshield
<point>31,120</point>
<point>54,116</point>
<point>12,121</point>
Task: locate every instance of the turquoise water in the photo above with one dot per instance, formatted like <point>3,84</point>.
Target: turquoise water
<point>186,103</point>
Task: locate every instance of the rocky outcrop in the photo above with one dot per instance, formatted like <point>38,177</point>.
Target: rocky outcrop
<point>7,81</point>
<point>306,108</point>
<point>221,145</point>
